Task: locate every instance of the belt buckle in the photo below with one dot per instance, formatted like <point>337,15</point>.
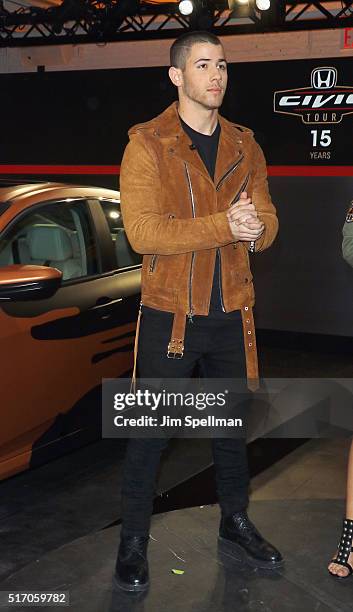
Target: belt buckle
<point>175,354</point>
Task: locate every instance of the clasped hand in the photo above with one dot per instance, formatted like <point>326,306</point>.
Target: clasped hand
<point>243,219</point>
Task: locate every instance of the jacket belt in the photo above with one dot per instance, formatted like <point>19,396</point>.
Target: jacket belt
<point>176,344</point>
<point>252,368</point>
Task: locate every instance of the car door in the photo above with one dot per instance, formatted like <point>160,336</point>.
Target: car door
<point>58,349</point>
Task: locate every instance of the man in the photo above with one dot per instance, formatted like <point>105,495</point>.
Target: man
<point>194,199</point>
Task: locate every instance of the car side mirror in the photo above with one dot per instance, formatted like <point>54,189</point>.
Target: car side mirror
<point>26,282</point>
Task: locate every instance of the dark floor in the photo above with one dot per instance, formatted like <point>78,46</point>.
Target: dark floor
<point>214,578</point>
<point>56,520</point>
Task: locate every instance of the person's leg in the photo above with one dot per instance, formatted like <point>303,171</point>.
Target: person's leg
<point>337,569</point>
<point>140,468</point>
<point>225,358</point>
<point>349,503</point>
<point>143,454</point>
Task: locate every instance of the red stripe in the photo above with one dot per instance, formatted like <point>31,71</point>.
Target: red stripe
<point>48,169</point>
<point>310,170</point>
<point>114,170</point>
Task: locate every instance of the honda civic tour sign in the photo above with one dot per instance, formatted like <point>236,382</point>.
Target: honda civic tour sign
<point>323,102</point>
<point>321,105</point>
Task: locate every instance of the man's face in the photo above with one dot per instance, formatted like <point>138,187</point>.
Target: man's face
<point>204,79</point>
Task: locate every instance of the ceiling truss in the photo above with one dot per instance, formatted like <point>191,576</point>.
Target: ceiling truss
<point>99,21</point>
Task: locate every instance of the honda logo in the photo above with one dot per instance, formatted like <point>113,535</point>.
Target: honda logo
<point>324,78</point>
<point>323,102</point>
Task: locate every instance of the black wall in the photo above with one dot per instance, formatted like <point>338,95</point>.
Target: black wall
<point>82,118</point>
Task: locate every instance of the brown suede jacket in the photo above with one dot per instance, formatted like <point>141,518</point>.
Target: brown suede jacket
<point>175,215</point>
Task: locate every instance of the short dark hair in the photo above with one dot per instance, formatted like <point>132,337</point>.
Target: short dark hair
<point>181,47</point>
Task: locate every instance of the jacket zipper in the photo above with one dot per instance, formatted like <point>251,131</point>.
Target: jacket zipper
<point>242,188</point>
<point>154,257</point>
<point>190,313</point>
<point>229,172</point>
<point>220,279</point>
<point>152,264</point>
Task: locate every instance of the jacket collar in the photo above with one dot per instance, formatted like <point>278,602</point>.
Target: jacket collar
<point>168,126</point>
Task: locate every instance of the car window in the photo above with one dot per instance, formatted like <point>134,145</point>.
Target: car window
<point>125,255</point>
<point>57,234</point>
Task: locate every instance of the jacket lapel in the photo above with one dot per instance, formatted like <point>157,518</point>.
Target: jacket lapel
<point>177,140</point>
<point>190,156</point>
<point>229,147</point>
<point>229,151</point>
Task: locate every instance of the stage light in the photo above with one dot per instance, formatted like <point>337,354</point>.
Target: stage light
<point>263,5</point>
<point>272,14</point>
<point>240,8</point>
<point>186,7</point>
<point>200,13</point>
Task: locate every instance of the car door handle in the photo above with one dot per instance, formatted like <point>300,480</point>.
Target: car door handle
<point>103,302</point>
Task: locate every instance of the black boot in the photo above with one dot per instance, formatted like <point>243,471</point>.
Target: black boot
<point>241,534</point>
<point>131,570</point>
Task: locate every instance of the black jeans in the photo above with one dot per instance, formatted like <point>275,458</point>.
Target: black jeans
<point>214,343</point>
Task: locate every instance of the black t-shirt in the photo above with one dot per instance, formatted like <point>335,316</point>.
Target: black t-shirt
<point>207,147</point>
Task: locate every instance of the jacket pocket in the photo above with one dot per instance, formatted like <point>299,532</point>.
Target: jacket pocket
<point>229,172</point>
<point>153,261</point>
<point>243,278</point>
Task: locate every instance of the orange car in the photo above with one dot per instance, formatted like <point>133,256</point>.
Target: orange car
<point>69,296</point>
